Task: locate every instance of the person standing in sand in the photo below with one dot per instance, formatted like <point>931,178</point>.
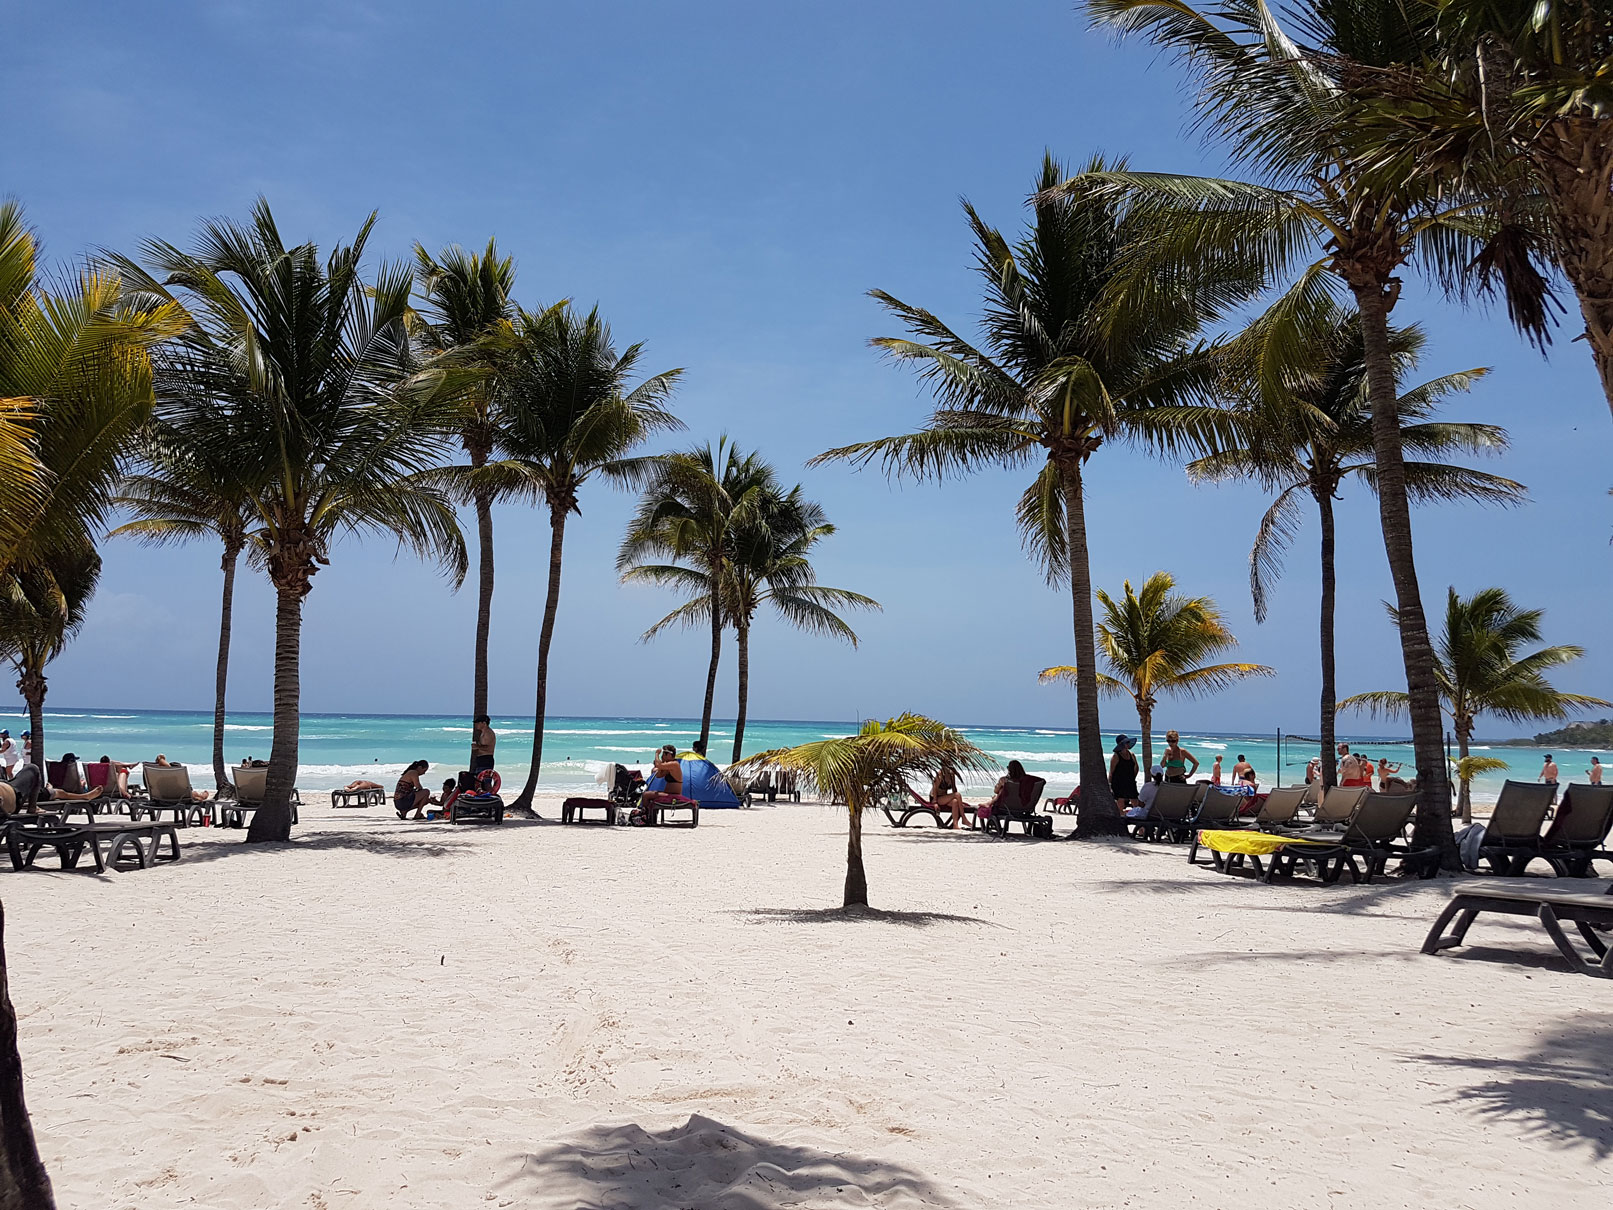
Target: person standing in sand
<point>1548,774</point>
<point>1350,771</point>
<point>1215,771</point>
<point>1175,760</point>
<point>482,742</point>
<point>9,756</point>
<point>1595,771</point>
<point>1123,772</point>
<point>1386,770</point>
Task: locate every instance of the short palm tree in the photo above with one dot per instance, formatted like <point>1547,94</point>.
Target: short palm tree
<point>1155,641</point>
<point>1482,670</point>
<point>301,365</point>
<point>1304,429</point>
<point>75,385</point>
<point>771,565</point>
<point>695,507</point>
<point>464,299</point>
<point>1074,357</point>
<point>1283,92</point>
<point>41,608</point>
<point>178,496</point>
<point>566,408</point>
<point>880,759</point>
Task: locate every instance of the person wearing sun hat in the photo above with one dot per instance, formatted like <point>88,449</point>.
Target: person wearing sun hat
<point>1123,772</point>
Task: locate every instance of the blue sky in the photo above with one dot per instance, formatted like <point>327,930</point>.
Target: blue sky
<point>727,181</point>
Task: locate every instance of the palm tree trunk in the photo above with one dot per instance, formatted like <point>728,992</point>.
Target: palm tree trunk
<point>1464,797</point>
<point>24,1184</point>
<point>742,626</point>
<point>551,606</point>
<point>856,879</point>
<point>221,675</point>
<point>32,687</point>
<point>484,590</point>
<point>1577,162</point>
<point>1330,689</point>
<point>272,820</point>
<point>1433,825</point>
<point>1145,727</point>
<point>711,673</point>
<point>1098,814</point>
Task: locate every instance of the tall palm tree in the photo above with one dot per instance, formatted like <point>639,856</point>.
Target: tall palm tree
<point>1285,100</point>
<point>1482,670</point>
<point>41,609</point>
<point>1512,100</point>
<point>178,496</point>
<point>1074,355</point>
<point>771,565</point>
<point>464,298</point>
<point>695,507</point>
<point>310,361</point>
<point>1304,428</point>
<point>566,408</point>
<point>1154,642</point>
<point>880,758</point>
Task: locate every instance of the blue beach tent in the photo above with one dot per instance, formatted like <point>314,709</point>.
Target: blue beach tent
<point>703,782</point>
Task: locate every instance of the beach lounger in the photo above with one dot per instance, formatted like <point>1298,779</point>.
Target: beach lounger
<point>250,784</point>
<point>1587,912</point>
<point>169,789</point>
<point>900,817</point>
<point>574,810</point>
<point>1169,815</point>
<point>125,842</point>
<point>1336,808</point>
<point>1578,832</point>
<point>64,775</point>
<point>1218,811</point>
<point>1030,796</point>
<point>1365,846</point>
<point>1512,834</point>
<point>342,799</point>
<point>1281,807</point>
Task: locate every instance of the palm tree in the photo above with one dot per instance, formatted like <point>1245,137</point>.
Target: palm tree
<point>75,385</point>
<point>566,408</point>
<point>41,609</point>
<point>1153,642</point>
<point>879,759</point>
<point>179,496</point>
<point>465,297</point>
<point>771,565</point>
<point>1481,670</point>
<point>1074,356</point>
<point>1512,102</point>
<point>1305,428</point>
<point>696,506</point>
<point>1286,102</point>
<point>295,375</point>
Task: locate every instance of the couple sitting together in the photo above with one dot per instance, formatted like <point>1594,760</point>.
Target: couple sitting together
<point>1007,796</point>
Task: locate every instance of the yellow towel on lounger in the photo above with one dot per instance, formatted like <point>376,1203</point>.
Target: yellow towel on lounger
<point>1256,844</point>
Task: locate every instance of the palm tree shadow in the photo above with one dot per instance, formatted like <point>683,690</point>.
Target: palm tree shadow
<point>707,1164</point>
<point>378,843</point>
<point>832,915</point>
<point>1560,1092</point>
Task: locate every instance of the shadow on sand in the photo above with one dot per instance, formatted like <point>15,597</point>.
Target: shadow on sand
<point>381,844</point>
<point>1560,1092</point>
<point>707,1164</point>
<point>854,915</point>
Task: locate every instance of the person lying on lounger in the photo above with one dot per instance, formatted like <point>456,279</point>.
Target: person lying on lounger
<point>120,774</point>
<point>361,784</point>
<point>410,795</point>
<point>162,762</point>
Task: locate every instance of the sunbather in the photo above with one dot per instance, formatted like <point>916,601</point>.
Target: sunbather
<point>944,793</point>
<point>162,762</point>
<point>666,765</point>
<point>1005,794</point>
<point>120,775</point>
<point>361,784</point>
<point>410,795</point>
<point>1175,759</point>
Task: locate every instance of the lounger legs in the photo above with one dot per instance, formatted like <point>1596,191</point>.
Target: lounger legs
<point>1553,926</point>
<point>1435,940</point>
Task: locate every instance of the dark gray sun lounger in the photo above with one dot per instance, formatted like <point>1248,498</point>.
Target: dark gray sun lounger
<point>1587,912</point>
<point>1578,833</point>
<point>125,842</point>
<point>1512,836</point>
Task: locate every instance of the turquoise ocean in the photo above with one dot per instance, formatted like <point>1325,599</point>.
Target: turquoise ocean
<point>338,748</point>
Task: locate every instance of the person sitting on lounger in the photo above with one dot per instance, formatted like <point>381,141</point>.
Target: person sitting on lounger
<point>1146,795</point>
<point>29,788</point>
<point>410,795</point>
<point>162,762</point>
<point>664,764</point>
<point>119,775</point>
<point>1005,794</point>
<point>944,794</point>
<point>450,791</point>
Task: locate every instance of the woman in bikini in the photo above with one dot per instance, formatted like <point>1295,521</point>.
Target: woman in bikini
<point>1176,759</point>
<point>944,793</point>
<point>410,795</point>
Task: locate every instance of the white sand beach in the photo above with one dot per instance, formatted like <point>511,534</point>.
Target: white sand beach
<point>409,1015</point>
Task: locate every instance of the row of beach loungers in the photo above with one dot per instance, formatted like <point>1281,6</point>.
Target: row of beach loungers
<point>162,788</point>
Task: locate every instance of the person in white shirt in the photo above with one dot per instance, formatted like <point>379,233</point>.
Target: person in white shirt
<point>9,756</point>
<point>1147,794</point>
